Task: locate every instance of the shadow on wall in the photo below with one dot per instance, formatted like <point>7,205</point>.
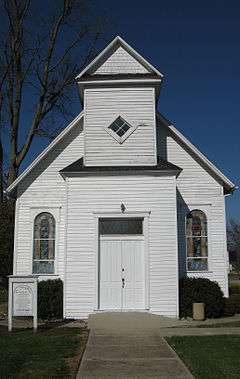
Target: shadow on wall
<point>182,208</point>
<point>182,211</point>
<point>162,135</point>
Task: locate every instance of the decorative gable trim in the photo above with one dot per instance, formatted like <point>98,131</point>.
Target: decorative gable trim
<point>225,182</point>
<point>120,61</point>
<point>119,41</point>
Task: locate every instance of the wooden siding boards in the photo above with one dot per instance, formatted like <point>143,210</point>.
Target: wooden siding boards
<point>120,62</point>
<point>197,188</point>
<point>137,107</point>
<point>44,187</point>
<point>77,198</point>
<point>87,195</point>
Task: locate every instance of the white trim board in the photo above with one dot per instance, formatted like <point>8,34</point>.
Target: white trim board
<point>45,152</point>
<point>230,186</point>
<point>119,41</point>
<point>145,237</point>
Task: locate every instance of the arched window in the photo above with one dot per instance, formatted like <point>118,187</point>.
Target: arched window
<point>197,246</point>
<point>44,244</point>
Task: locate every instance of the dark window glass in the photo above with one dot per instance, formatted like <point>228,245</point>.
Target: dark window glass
<point>120,132</point>
<point>44,244</point>
<point>197,264</point>
<point>121,226</point>
<point>197,241</point>
<point>119,126</point>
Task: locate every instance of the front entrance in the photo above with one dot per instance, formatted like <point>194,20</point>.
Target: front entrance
<point>121,274</point>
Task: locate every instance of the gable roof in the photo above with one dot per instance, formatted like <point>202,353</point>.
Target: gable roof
<point>225,182</point>
<point>44,152</point>
<point>162,165</point>
<point>106,53</point>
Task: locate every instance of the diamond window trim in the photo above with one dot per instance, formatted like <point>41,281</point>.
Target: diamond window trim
<point>120,129</point>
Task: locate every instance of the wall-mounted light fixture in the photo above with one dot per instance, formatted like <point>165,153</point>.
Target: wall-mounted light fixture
<point>123,208</point>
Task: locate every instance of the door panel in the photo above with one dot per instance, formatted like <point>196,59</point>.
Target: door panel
<point>133,274</point>
<point>121,259</point>
<point>110,275</point>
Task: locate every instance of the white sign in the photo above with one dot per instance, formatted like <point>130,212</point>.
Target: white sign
<point>22,299</point>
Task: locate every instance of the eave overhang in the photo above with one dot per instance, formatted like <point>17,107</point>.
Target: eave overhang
<point>162,167</point>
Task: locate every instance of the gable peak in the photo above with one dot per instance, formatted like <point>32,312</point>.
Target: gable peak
<point>119,58</point>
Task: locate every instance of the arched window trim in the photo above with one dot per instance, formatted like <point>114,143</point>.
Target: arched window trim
<point>206,236</point>
<point>44,265</point>
<point>55,212</point>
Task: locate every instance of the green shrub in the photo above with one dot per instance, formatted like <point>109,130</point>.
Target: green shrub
<point>229,308</point>
<point>234,288</point>
<point>200,290</point>
<point>236,300</point>
<point>50,299</point>
<point>3,295</point>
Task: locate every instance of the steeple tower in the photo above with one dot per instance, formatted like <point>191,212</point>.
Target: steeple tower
<point>119,91</point>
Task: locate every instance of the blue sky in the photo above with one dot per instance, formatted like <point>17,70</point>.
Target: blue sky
<point>196,45</point>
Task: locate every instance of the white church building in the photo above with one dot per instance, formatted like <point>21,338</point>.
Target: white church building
<point>121,205</point>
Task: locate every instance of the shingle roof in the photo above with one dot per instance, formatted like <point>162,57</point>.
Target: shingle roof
<point>78,166</point>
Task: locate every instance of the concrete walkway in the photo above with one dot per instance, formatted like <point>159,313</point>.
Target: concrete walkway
<point>128,346</point>
<point>140,356</point>
<point>143,321</point>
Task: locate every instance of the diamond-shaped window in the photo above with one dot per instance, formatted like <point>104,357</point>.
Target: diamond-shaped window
<point>120,129</point>
<point>119,126</point>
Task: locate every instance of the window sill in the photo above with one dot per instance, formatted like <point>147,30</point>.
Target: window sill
<point>46,274</point>
<point>200,272</point>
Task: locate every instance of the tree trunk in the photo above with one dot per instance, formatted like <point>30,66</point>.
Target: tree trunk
<point>12,173</point>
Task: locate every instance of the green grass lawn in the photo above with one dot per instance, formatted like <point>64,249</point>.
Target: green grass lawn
<point>209,357</point>
<point>53,353</point>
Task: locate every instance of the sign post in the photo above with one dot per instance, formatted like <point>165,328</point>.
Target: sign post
<point>22,298</point>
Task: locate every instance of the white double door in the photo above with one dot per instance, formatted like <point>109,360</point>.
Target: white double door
<point>121,274</point>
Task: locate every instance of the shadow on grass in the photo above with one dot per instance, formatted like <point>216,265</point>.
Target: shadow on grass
<point>51,352</point>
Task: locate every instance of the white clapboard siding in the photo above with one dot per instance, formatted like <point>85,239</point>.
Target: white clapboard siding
<point>196,187</point>
<point>120,62</point>
<point>44,187</point>
<point>82,196</point>
<point>137,107</point>
<point>87,195</point>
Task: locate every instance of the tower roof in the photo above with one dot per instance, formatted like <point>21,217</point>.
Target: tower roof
<point>119,58</point>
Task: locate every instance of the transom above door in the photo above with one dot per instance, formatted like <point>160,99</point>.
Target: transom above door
<point>121,273</point>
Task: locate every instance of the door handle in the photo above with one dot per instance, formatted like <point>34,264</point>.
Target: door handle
<point>123,282</point>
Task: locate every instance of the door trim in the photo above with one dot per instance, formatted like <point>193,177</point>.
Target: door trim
<point>145,215</point>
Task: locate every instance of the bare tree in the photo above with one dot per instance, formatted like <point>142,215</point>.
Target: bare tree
<point>41,52</point>
<point>3,74</point>
<point>233,237</point>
